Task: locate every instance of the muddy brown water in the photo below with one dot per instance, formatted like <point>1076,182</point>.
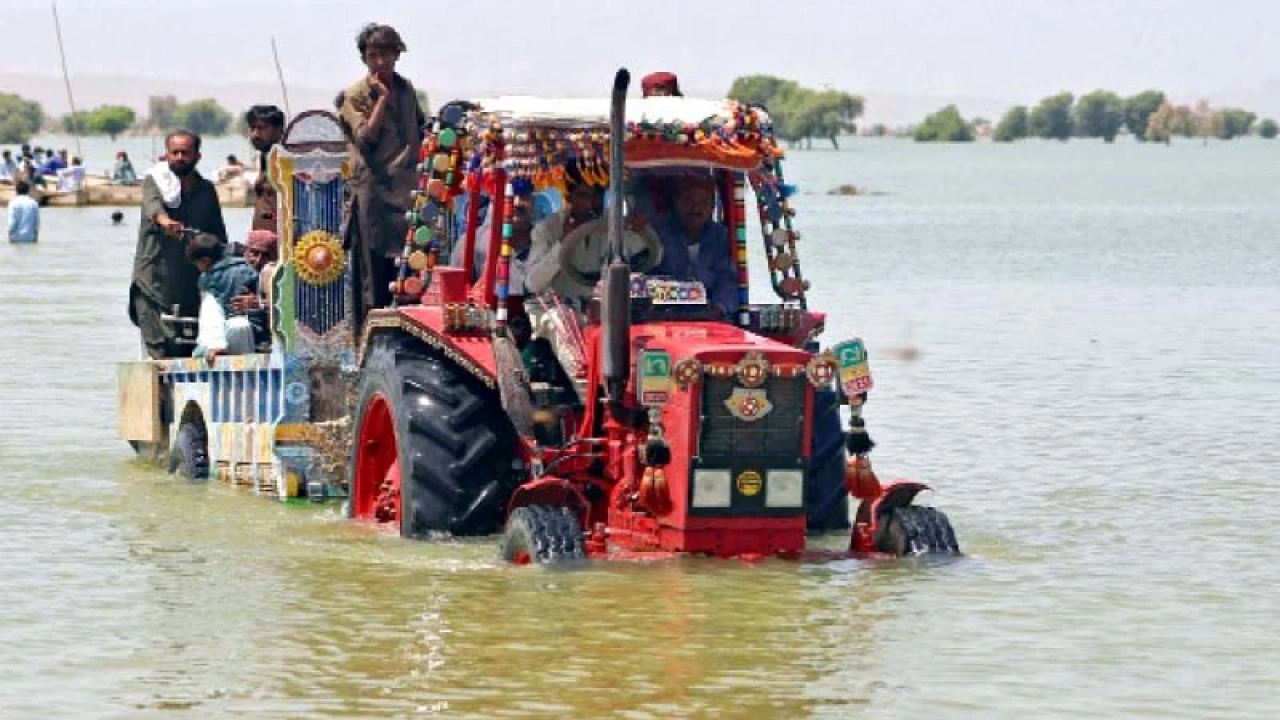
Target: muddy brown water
<point>1098,372</point>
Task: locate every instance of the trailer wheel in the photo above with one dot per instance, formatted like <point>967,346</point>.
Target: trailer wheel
<point>190,456</point>
<point>916,530</point>
<point>433,448</point>
<point>544,535</point>
<point>826,500</point>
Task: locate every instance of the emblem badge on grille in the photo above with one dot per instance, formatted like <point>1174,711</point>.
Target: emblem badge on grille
<point>748,405</point>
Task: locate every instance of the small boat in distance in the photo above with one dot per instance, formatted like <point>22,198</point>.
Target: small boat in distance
<point>100,190</point>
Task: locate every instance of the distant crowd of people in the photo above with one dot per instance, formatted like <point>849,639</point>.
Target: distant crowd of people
<point>36,166</point>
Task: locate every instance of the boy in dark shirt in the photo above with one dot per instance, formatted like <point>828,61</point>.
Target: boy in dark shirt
<point>222,277</point>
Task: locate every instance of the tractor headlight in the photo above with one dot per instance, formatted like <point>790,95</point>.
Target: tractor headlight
<point>784,488</point>
<point>711,488</point>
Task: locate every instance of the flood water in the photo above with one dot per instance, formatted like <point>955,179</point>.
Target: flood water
<point>1098,331</point>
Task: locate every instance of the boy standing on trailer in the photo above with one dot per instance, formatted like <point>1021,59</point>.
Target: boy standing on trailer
<point>383,123</point>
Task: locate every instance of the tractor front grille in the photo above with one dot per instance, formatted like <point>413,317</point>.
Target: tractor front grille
<point>776,440</point>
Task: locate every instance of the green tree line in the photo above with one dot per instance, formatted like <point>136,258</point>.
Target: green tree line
<point>20,118</point>
<point>1147,116</point>
<point>800,114</point>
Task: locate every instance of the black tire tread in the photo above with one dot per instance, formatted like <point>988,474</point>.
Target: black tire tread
<point>917,530</point>
<point>451,439</point>
<point>190,457</point>
<point>551,535</point>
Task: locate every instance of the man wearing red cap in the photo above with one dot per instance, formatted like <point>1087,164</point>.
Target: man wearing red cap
<point>661,84</point>
<point>260,252</point>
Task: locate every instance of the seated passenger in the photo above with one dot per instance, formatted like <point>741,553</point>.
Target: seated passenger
<point>123,172</point>
<point>222,277</point>
<point>570,246</point>
<point>71,179</point>
<point>260,252</point>
<point>233,169</point>
<point>521,239</point>
<point>696,247</point>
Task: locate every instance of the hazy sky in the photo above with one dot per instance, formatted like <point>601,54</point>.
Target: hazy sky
<point>1016,50</point>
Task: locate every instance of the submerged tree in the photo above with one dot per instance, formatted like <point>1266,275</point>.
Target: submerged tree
<point>206,117</point>
<point>160,110</point>
<point>1013,126</point>
<point>945,125</point>
<point>1169,121</point>
<point>19,118</point>
<point>111,120</point>
<point>1099,114</point>
<point>1138,110</point>
<point>1051,119</point>
<point>76,123</point>
<point>800,114</point>
<point>1234,123</point>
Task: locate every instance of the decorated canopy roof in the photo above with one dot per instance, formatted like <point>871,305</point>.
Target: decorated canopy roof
<point>661,131</point>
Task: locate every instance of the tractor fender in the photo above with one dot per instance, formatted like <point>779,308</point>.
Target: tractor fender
<point>553,491</point>
<point>897,493</point>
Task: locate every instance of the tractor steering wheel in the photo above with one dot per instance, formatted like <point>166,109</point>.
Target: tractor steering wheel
<point>641,262</point>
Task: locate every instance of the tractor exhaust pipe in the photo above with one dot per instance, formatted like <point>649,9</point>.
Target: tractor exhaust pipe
<point>615,311</point>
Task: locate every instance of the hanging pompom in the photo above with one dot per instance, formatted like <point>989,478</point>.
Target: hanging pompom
<point>860,479</point>
<point>654,495</point>
<point>857,441</point>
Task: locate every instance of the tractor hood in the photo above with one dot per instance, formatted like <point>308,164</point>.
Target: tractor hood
<point>713,342</point>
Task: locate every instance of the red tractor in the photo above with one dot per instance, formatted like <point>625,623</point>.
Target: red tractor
<point>641,419</point>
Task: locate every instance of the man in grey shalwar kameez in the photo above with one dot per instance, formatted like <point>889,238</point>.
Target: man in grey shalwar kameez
<point>162,275</point>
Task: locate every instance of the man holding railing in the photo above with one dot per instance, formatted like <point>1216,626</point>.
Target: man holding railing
<point>176,201</point>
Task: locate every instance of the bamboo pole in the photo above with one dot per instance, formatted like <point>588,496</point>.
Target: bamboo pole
<point>66,78</point>
<point>280,74</point>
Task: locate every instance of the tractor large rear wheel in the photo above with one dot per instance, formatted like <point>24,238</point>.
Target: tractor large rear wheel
<point>826,500</point>
<point>433,448</point>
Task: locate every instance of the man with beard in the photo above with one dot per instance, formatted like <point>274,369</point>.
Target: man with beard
<point>174,196</point>
<point>383,123</point>
<point>266,128</point>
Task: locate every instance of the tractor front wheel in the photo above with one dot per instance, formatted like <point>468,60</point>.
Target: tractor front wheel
<point>916,530</point>
<point>543,535</point>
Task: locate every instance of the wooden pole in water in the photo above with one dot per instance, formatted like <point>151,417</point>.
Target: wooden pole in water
<point>280,74</point>
<point>66,78</point>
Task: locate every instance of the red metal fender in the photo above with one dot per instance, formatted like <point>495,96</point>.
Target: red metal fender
<point>896,493</point>
<point>554,491</point>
